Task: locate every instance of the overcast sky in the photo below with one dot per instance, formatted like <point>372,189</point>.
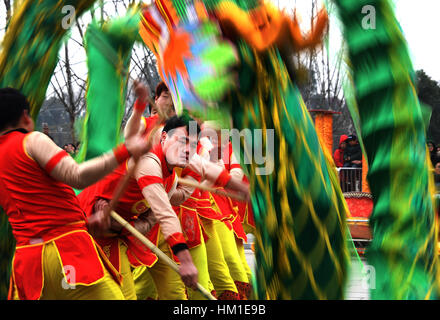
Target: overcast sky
<point>420,23</point>
<point>419,20</point>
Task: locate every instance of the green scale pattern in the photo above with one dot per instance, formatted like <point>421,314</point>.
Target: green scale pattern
<point>299,208</point>
<point>403,251</point>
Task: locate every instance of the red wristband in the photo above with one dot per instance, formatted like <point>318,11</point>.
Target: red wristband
<point>223,179</point>
<point>140,106</point>
<point>121,153</point>
<point>175,239</point>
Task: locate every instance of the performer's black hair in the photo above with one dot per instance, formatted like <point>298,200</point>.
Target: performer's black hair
<point>180,121</point>
<point>12,105</point>
<point>161,87</point>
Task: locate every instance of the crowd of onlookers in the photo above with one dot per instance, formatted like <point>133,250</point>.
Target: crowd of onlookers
<point>349,155</point>
<point>434,153</point>
<point>71,149</point>
<point>349,152</point>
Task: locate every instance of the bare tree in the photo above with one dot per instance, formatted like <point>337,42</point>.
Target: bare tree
<point>322,88</point>
<point>324,81</point>
<point>63,83</point>
<point>142,63</point>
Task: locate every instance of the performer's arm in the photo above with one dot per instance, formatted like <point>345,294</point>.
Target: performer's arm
<point>145,222</point>
<point>149,176</point>
<point>197,170</point>
<point>100,225</point>
<point>63,168</point>
<point>135,123</point>
<point>236,170</point>
<point>150,180</point>
<point>210,171</point>
<point>218,175</point>
<point>183,192</point>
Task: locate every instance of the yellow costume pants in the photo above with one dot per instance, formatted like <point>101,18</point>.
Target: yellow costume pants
<point>127,276</point>
<point>144,284</point>
<point>240,249</point>
<point>200,260</point>
<point>147,283</point>
<point>217,266</point>
<point>230,252</point>
<point>160,281</point>
<point>104,289</point>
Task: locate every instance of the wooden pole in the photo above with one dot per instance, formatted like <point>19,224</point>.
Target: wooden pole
<point>156,250</point>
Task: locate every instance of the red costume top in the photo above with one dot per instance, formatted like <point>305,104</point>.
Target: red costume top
<point>234,213</point>
<point>244,209</point>
<point>187,213</point>
<point>131,204</point>
<point>40,210</point>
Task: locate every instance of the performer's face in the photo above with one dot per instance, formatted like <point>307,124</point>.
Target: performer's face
<point>437,168</point>
<point>176,147</point>
<point>165,103</point>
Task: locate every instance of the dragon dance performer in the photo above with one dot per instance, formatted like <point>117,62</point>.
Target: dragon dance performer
<point>194,235</point>
<point>195,238</point>
<point>54,250</point>
<point>219,273</point>
<point>230,228</point>
<point>153,180</point>
<point>192,231</point>
<point>243,215</point>
<point>163,104</point>
<point>198,233</point>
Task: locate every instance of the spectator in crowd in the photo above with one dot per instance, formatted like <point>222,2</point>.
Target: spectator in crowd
<point>353,153</point>
<point>46,130</point>
<point>338,156</point>
<point>433,152</point>
<point>437,176</point>
<point>70,149</point>
<point>78,145</point>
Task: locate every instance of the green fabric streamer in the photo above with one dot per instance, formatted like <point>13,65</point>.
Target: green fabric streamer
<point>404,247</point>
<point>299,208</point>
<point>30,46</point>
<point>7,248</point>
<point>108,57</point>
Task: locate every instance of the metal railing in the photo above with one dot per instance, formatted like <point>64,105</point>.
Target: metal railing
<point>350,179</point>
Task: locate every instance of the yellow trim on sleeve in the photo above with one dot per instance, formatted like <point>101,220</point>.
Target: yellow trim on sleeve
<point>24,148</point>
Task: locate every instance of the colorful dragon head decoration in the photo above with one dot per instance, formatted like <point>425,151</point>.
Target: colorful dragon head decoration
<point>192,43</point>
